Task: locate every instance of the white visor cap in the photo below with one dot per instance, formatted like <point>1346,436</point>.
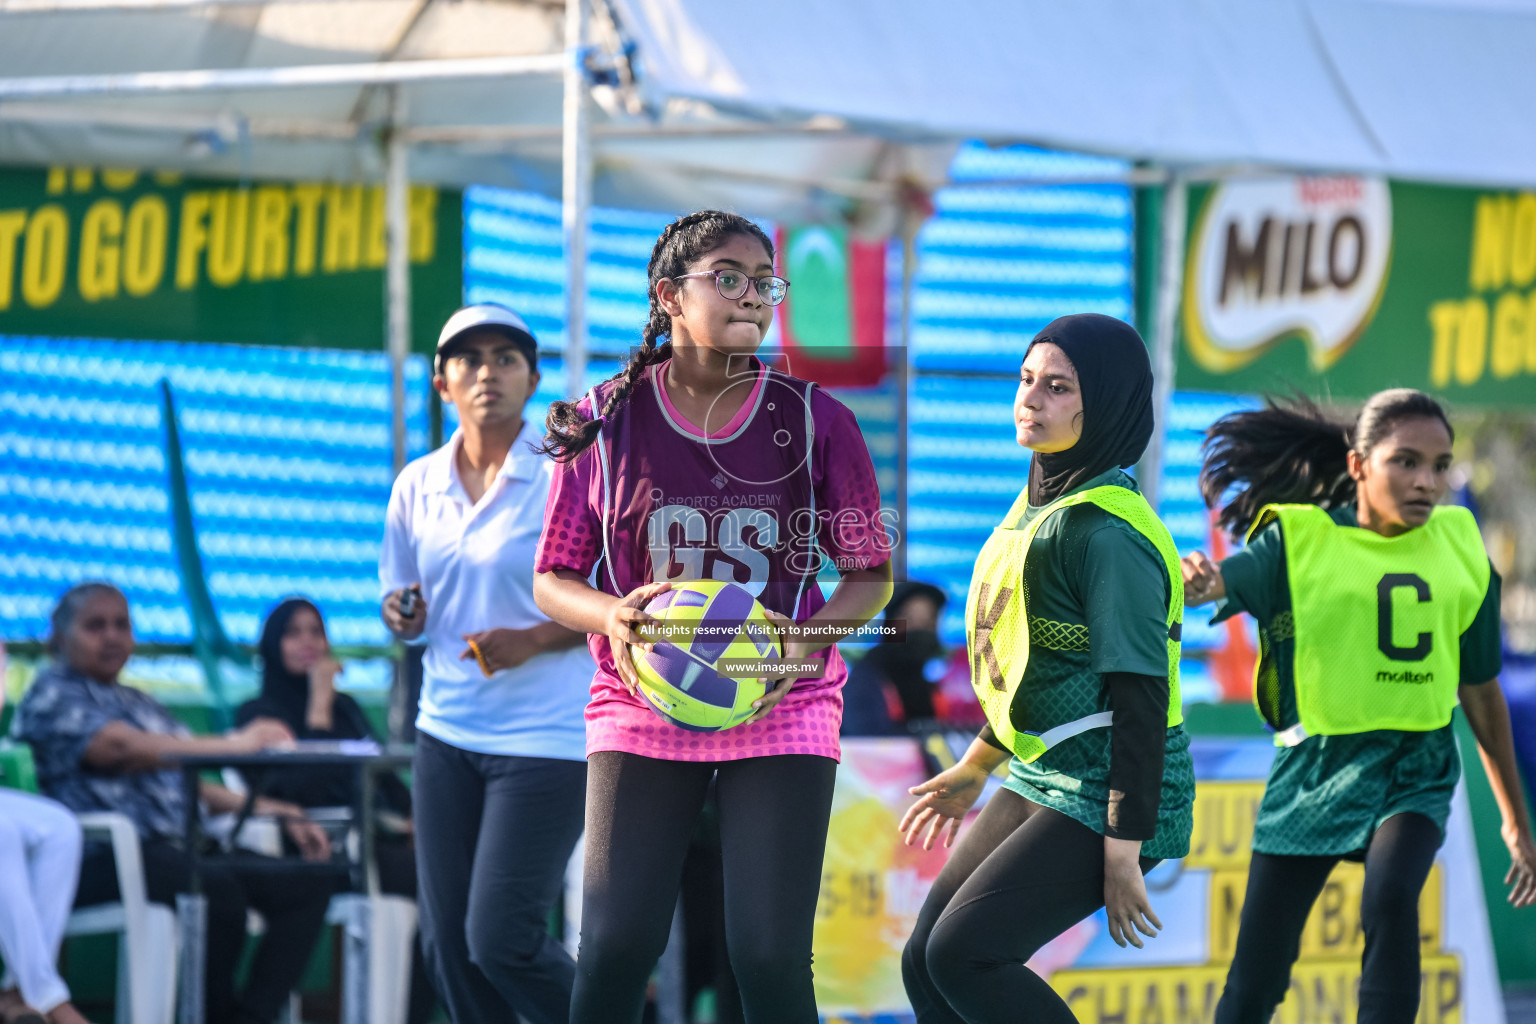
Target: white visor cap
<point>492,315</point>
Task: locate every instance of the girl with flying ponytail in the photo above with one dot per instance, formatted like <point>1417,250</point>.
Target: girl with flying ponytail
<point>699,462</point>
<point>1377,610</point>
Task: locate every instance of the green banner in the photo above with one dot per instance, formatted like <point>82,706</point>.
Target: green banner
<point>125,254</point>
<point>1342,286</point>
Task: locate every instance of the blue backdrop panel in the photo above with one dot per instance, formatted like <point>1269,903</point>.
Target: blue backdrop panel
<point>288,472</point>
<point>997,263</point>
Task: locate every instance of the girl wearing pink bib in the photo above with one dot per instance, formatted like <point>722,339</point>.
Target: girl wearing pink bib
<point>699,462</point>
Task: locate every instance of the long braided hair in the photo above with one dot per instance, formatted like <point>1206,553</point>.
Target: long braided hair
<point>685,240</point>
<point>1293,451</point>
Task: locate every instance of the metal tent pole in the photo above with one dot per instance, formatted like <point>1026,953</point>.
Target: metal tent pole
<point>910,223</point>
<point>1170,284</point>
<point>397,340</point>
<point>576,194</point>
<point>297,76</point>
<point>397,276</point>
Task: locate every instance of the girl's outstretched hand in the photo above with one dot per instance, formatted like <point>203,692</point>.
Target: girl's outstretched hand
<point>1202,579</point>
<point>1521,877</point>
<point>626,621</point>
<point>942,802</point>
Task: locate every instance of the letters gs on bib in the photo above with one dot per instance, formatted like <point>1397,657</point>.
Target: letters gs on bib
<point>689,543</point>
<point>1384,588</point>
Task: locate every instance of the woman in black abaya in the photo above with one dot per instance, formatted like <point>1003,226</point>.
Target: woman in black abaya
<point>298,687</point>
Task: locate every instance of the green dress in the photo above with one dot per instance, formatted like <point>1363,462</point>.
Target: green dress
<point>1096,593</point>
<point>1328,794</point>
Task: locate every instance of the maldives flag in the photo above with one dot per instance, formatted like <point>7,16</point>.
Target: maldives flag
<point>832,324</point>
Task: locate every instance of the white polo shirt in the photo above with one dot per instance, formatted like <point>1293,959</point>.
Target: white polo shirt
<point>475,567</point>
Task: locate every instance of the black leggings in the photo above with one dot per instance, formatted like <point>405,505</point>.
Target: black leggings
<point>1020,876</point>
<point>293,904</point>
<point>1281,891</point>
<point>773,832</point>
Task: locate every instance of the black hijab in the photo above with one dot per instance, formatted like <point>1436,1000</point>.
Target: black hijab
<point>1115,376</point>
<point>284,694</point>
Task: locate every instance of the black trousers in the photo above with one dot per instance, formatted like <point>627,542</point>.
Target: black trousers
<point>1020,876</point>
<point>293,905</point>
<point>773,833</point>
<point>1281,891</point>
<point>493,835</point>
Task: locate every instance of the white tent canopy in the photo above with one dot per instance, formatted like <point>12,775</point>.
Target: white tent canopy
<point>798,109</point>
<point>1425,89</point>
<point>300,89</point>
<point>784,108</point>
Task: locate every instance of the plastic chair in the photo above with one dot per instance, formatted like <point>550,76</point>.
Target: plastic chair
<point>379,930</point>
<point>379,935</point>
<point>380,939</point>
<point>17,770</point>
<point>147,952</point>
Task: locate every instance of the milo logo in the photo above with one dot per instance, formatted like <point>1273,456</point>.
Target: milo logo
<point>1281,257</point>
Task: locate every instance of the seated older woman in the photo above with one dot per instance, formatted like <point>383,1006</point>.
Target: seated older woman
<point>102,746</point>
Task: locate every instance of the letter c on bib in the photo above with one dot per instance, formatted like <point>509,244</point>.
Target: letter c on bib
<point>1388,583</point>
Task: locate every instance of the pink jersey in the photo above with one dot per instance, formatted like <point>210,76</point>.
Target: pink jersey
<point>656,499</point>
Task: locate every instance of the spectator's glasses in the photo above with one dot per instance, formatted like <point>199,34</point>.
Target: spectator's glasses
<point>733,284</point>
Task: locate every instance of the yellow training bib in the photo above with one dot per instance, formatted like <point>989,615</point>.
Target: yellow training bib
<point>997,626</point>
<point>1378,620</point>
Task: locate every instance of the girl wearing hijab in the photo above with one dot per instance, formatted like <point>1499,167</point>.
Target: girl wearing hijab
<point>298,688</point>
<point>1072,627</point>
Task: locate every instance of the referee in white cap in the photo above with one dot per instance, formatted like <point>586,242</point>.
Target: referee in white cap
<point>499,779</point>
